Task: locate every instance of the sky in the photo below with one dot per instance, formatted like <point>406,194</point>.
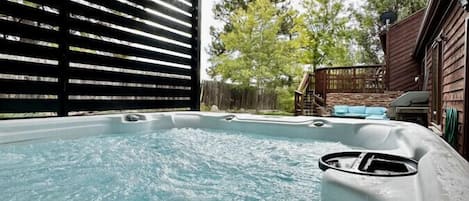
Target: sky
<point>208,20</point>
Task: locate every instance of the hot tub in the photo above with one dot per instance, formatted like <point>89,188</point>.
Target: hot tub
<point>214,156</point>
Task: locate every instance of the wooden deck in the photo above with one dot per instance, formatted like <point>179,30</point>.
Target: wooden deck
<point>350,79</point>
<point>311,95</point>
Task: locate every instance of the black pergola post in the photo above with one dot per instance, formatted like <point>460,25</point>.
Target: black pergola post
<point>64,62</point>
<point>195,63</point>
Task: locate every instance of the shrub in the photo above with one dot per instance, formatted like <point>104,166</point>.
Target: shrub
<point>286,99</point>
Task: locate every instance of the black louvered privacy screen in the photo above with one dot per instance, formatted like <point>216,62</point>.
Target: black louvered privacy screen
<point>61,56</point>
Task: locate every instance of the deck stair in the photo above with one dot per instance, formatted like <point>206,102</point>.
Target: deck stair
<point>312,106</point>
<point>307,101</point>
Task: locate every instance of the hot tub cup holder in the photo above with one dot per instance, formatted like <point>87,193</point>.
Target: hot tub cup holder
<point>134,117</point>
<point>369,163</point>
<point>318,123</point>
<point>229,117</point>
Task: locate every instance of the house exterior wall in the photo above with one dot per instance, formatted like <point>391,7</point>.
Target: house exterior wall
<point>453,32</point>
<point>401,66</point>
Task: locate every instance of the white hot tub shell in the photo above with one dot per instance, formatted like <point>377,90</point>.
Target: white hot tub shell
<point>442,173</point>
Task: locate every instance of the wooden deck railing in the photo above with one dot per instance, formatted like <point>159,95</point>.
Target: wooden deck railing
<point>354,79</point>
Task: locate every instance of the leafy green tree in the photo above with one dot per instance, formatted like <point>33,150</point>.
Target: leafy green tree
<point>224,9</point>
<point>255,53</point>
<point>368,28</point>
<point>325,37</point>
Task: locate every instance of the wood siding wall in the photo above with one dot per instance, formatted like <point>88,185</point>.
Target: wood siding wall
<point>401,67</point>
<point>453,33</point>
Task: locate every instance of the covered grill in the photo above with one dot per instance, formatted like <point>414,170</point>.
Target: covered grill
<point>411,107</point>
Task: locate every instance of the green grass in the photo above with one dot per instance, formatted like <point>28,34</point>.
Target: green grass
<point>277,113</point>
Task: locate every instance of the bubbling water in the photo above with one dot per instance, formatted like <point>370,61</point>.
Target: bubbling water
<point>174,164</point>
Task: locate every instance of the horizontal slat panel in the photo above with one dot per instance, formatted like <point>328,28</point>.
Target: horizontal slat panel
<point>101,105</point>
<point>27,31</point>
<point>102,30</point>
<point>139,13</point>
<point>28,87</point>
<point>25,49</point>
<point>179,5</point>
<point>50,3</point>
<point>29,48</point>
<point>26,12</point>
<point>93,59</point>
<point>28,68</point>
<point>28,105</point>
<point>90,74</point>
<point>102,90</point>
<point>83,10</point>
<point>105,46</point>
<point>162,9</point>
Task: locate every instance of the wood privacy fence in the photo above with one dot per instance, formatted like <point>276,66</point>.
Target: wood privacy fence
<point>231,97</point>
<point>59,56</point>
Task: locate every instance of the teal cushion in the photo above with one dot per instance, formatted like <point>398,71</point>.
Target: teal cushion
<point>340,109</point>
<point>377,117</point>
<point>355,115</point>
<point>375,110</point>
<point>357,109</point>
